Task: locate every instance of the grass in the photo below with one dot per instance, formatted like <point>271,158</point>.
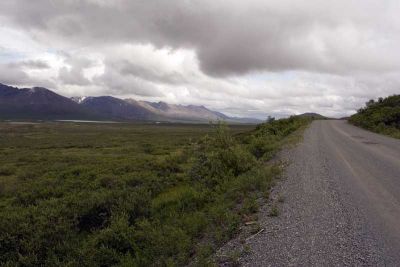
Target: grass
<point>129,194</point>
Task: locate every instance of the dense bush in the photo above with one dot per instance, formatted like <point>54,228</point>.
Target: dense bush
<point>382,116</point>
<point>124,195</point>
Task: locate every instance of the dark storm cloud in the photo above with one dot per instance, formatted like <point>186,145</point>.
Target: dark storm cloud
<point>230,37</point>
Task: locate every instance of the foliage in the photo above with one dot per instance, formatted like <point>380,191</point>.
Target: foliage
<point>382,116</point>
<point>131,195</point>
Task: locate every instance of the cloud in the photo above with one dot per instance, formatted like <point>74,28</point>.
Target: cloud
<point>232,37</point>
<point>73,76</point>
<point>12,74</point>
<point>30,64</point>
<point>73,72</point>
<point>253,58</point>
<point>116,83</point>
<point>151,64</point>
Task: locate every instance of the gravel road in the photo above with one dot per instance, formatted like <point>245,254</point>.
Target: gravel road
<point>341,202</point>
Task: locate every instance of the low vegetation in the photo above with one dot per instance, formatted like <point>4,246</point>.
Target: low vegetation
<point>130,195</point>
<point>382,116</point>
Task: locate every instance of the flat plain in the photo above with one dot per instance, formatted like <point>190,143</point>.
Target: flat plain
<point>71,192</point>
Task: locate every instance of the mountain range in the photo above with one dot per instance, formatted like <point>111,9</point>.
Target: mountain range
<point>43,104</point>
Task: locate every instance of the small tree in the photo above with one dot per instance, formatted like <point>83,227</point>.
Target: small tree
<point>370,103</point>
<point>270,119</point>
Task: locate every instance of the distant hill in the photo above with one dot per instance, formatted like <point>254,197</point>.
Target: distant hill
<point>179,112</point>
<point>312,115</point>
<point>116,109</point>
<point>42,104</point>
<point>381,116</point>
<point>38,103</point>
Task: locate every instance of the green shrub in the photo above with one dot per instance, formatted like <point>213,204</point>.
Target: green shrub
<point>262,147</point>
<point>7,170</point>
<point>382,116</point>
<point>109,245</point>
<point>179,199</point>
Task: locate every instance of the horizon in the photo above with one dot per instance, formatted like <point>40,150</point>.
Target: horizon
<point>79,99</point>
<point>258,59</point>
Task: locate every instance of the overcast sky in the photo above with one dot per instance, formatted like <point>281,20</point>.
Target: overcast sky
<point>245,58</point>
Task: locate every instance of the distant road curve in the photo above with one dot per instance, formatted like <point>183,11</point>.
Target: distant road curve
<point>342,202</point>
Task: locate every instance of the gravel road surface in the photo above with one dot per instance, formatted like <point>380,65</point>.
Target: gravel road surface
<point>341,202</point>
